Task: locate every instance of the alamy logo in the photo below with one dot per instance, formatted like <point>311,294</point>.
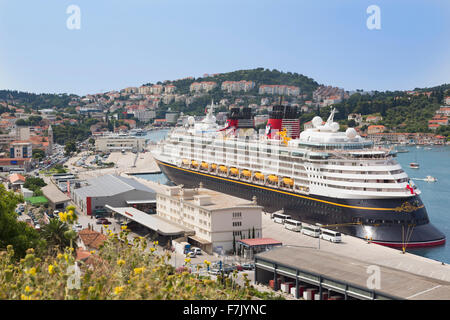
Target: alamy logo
<point>74,20</point>
<point>74,280</point>
<point>374,20</point>
<point>374,280</point>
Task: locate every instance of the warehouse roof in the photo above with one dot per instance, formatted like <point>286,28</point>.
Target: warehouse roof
<point>55,195</point>
<point>110,185</point>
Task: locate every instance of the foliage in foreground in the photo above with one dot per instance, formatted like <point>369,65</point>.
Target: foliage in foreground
<point>118,270</point>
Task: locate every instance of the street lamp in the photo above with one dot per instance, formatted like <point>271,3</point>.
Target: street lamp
<point>319,225</point>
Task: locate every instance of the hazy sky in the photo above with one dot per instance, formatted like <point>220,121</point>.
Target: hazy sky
<point>129,43</point>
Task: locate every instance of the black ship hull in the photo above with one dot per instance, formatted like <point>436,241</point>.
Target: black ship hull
<point>390,222</point>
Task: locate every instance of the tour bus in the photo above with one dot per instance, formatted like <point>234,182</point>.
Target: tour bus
<point>293,225</point>
<point>280,218</point>
<point>311,230</point>
<point>332,236</point>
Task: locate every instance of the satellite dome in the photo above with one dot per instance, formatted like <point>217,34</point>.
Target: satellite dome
<point>334,127</point>
<point>191,120</point>
<point>317,121</point>
<point>351,133</point>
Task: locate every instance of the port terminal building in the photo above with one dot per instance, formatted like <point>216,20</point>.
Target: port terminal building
<point>315,274</point>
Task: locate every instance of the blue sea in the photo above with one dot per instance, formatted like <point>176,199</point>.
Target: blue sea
<point>434,161</point>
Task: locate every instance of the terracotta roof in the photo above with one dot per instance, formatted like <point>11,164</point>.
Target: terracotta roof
<point>82,254</point>
<point>16,177</point>
<point>91,238</point>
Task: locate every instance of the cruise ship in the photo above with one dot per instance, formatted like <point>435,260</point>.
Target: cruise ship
<point>320,176</point>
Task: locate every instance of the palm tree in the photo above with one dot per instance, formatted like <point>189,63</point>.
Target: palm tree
<point>58,234</point>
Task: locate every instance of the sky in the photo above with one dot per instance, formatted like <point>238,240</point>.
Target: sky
<point>129,43</point>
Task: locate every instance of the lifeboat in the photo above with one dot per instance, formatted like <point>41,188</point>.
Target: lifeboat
<point>223,168</point>
<point>246,173</point>
<point>185,161</point>
<point>259,176</point>
<point>214,166</point>
<point>288,182</point>
<point>194,163</point>
<point>234,171</point>
<point>273,178</point>
<point>205,165</point>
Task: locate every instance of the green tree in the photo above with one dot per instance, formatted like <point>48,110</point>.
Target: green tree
<point>56,233</point>
<point>70,147</point>
<point>38,154</point>
<point>13,232</point>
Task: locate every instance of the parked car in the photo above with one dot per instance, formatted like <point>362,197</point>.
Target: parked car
<point>239,267</point>
<point>191,254</point>
<point>214,271</point>
<point>248,266</point>
<point>103,221</point>
<point>197,251</point>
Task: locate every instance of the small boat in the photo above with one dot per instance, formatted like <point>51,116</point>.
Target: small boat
<point>430,179</point>
<point>414,165</point>
<point>399,150</point>
<point>223,169</point>
<point>234,171</point>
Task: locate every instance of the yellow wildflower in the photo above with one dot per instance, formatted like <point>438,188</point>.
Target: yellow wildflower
<point>24,297</point>
<point>118,290</point>
<point>207,262</point>
<point>32,271</point>
<point>187,260</point>
<point>27,289</point>
<point>59,256</point>
<point>155,243</point>
<point>120,262</point>
<point>123,227</point>
<point>92,251</point>
<point>139,270</point>
<point>50,269</point>
<point>152,249</point>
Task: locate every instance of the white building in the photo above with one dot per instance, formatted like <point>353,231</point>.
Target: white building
<point>215,217</point>
<point>20,149</point>
<point>119,142</point>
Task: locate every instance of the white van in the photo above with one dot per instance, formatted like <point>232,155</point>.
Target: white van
<point>310,230</point>
<point>330,235</point>
<point>293,225</point>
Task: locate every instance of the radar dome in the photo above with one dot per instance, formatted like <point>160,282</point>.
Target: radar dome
<point>191,120</point>
<point>334,127</point>
<point>317,121</point>
<point>351,133</point>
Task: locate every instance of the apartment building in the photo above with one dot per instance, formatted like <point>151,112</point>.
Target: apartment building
<point>242,85</point>
<point>279,89</point>
<point>202,86</point>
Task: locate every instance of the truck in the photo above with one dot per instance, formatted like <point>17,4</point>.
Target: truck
<point>181,247</point>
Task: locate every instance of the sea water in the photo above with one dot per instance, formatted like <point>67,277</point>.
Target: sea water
<point>434,161</point>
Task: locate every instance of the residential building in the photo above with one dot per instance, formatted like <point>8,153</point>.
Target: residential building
<point>202,86</point>
<point>279,89</point>
<point>215,217</point>
<point>242,85</point>
<point>355,117</point>
<point>375,129</point>
<point>373,119</point>
<point>447,101</point>
<point>20,149</point>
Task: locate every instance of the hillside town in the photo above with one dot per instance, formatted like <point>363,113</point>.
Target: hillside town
<point>90,154</point>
